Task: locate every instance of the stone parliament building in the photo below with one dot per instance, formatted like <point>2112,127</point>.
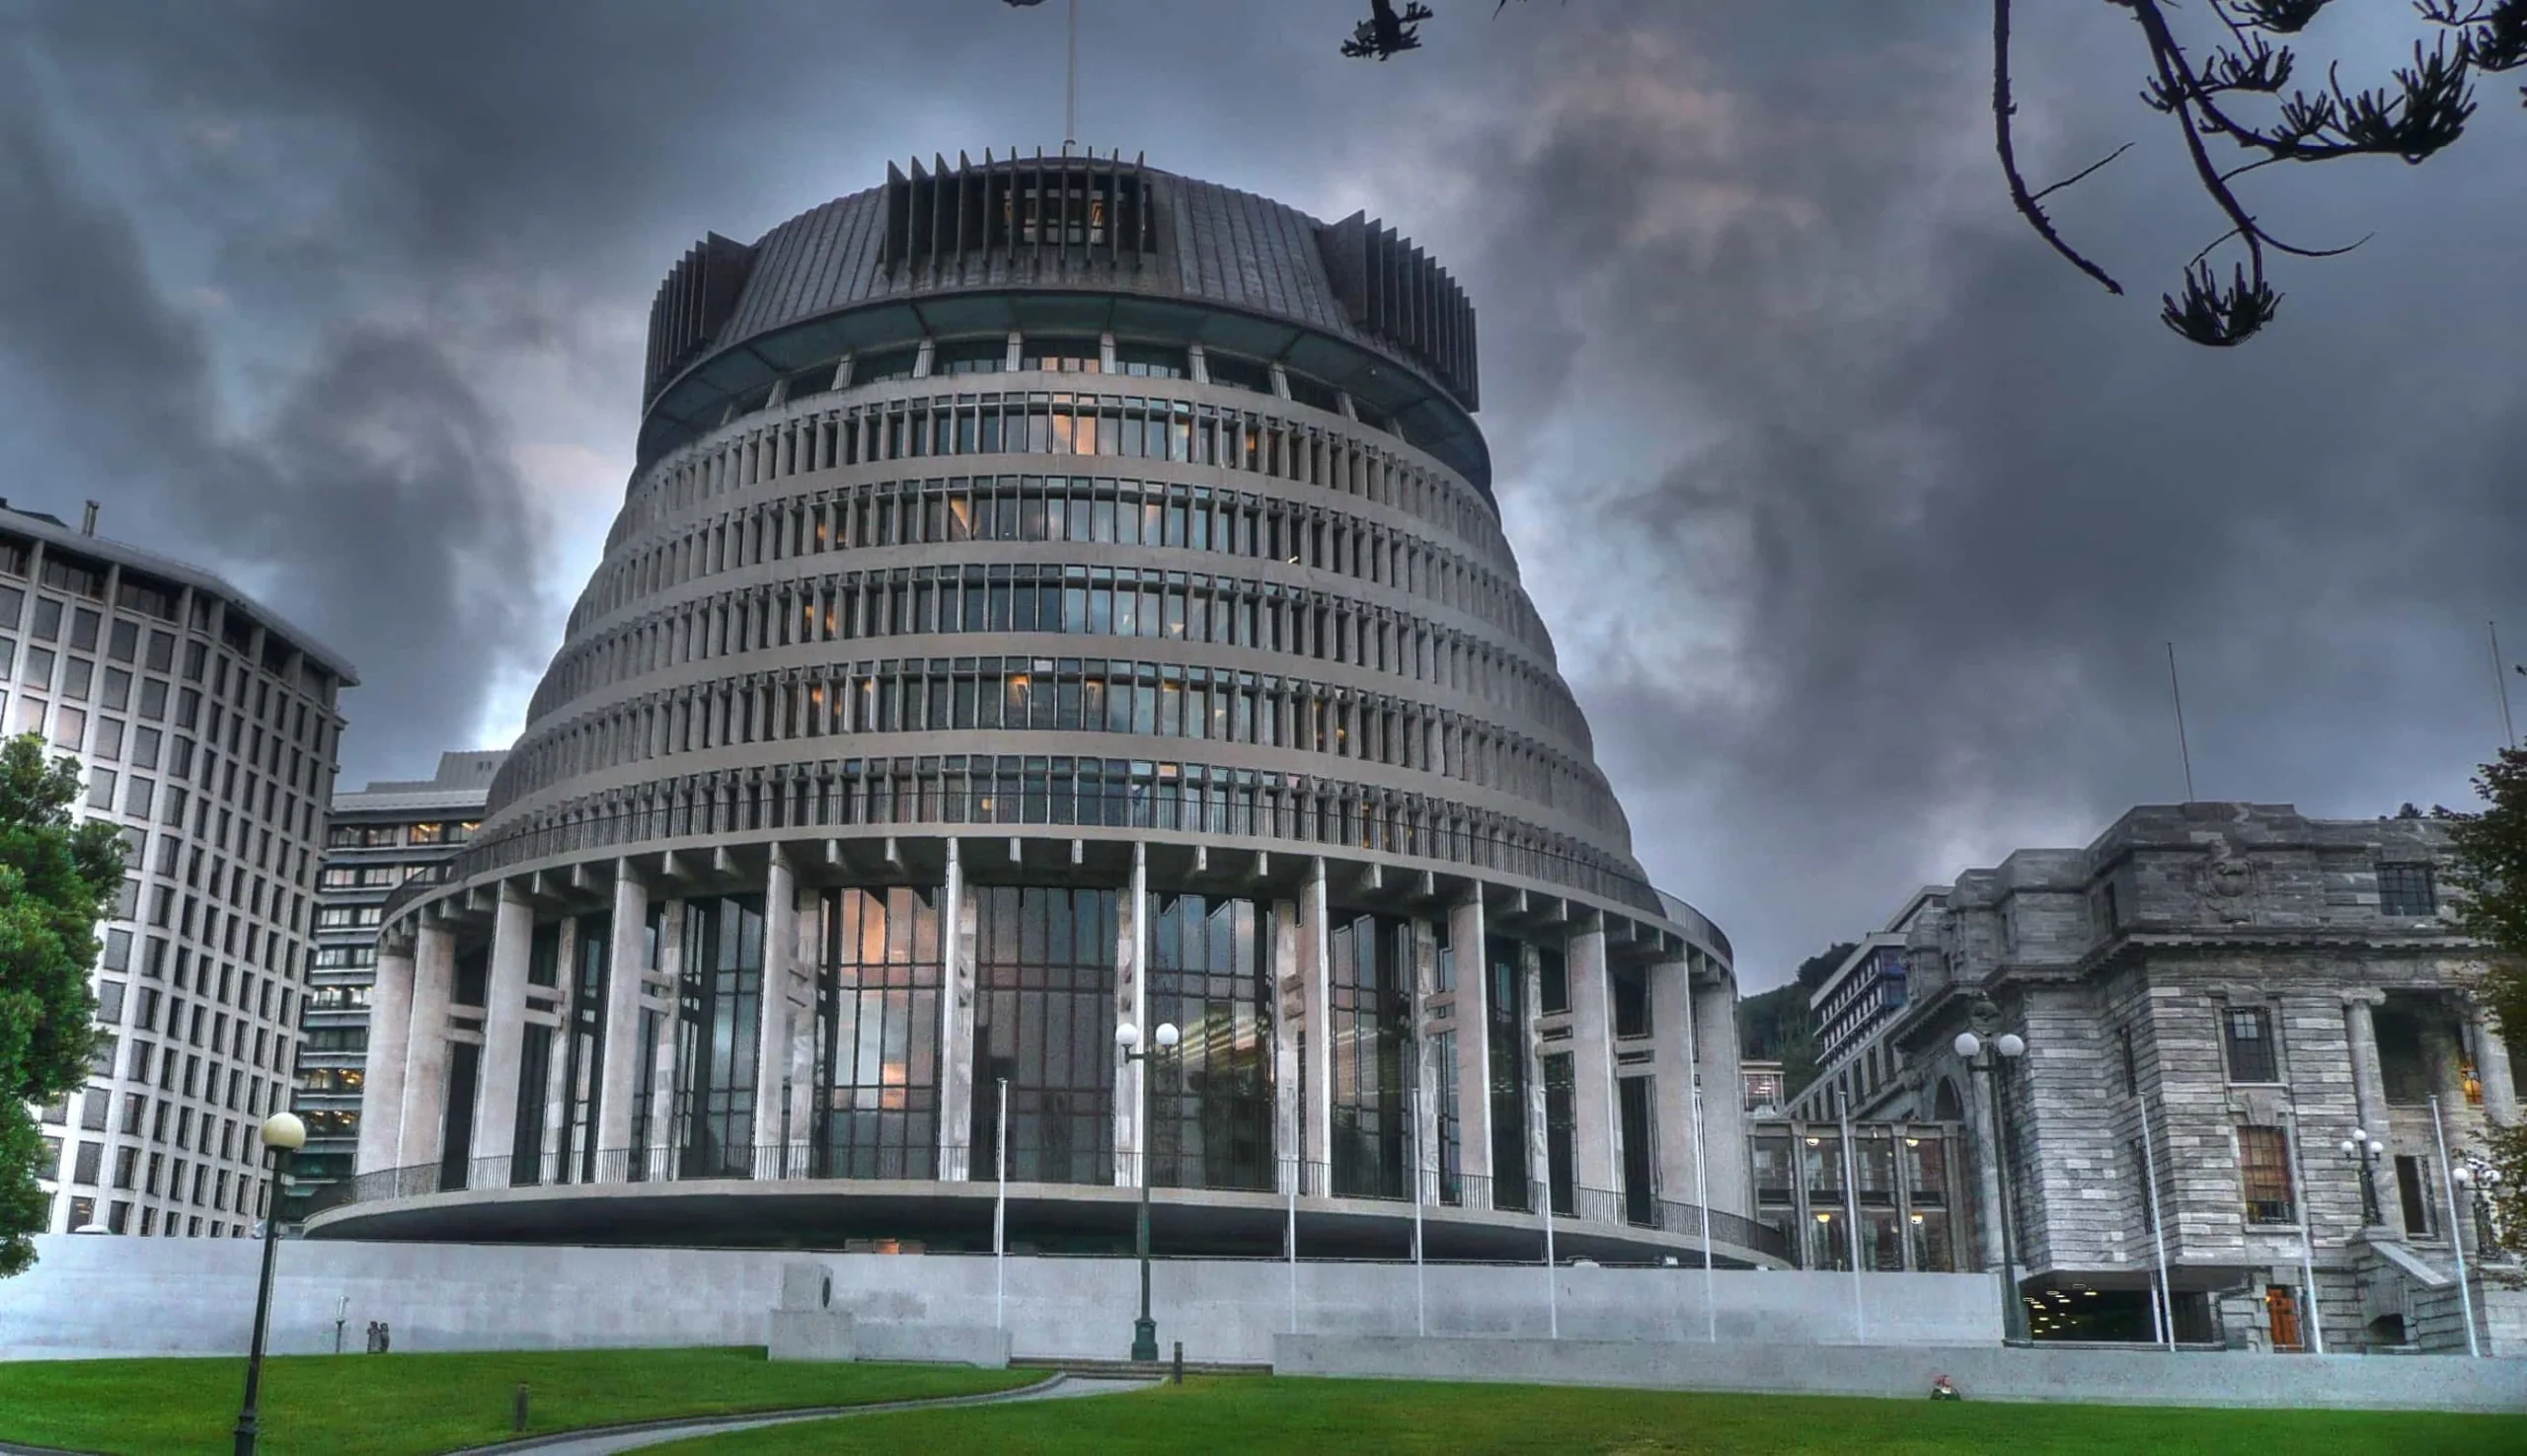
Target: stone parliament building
<point>2212,998</point>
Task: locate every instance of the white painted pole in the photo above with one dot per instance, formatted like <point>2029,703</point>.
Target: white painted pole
<point>2456,1234</point>
<point>1000,1218</point>
<point>1420,1285</point>
<point>2307,1238</point>
<point>1552,1277</point>
<point>2166,1294</point>
<point>1296,1168</point>
<point>1851,1210</point>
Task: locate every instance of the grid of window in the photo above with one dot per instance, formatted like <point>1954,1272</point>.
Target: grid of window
<point>878,1034</point>
<point>208,742</point>
<point>1039,423</point>
<point>959,788</point>
<point>1084,511</point>
<point>2264,1173</point>
<point>1044,984</point>
<point>1561,1121</point>
<point>2248,1036</point>
<point>1441,1048</point>
<point>716,1030</point>
<point>584,1066</point>
<point>1211,1102</point>
<point>1507,1008</point>
<point>1072,695</point>
<point>1369,1019</point>
<point>2406,889</point>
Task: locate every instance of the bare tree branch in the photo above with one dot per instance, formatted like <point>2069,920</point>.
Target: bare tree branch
<point>2003,108</point>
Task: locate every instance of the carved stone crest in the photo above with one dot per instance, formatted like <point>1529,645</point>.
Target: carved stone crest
<point>2228,888</point>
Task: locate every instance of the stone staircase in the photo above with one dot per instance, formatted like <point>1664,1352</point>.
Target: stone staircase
<point>2410,1300</point>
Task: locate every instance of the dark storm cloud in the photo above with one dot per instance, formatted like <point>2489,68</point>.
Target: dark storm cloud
<point>1940,502</point>
<point>1901,507</point>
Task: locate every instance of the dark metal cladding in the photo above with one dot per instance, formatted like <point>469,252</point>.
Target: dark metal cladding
<point>697,298</point>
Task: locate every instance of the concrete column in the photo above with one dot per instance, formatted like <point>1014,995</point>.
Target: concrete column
<point>2491,1067</point>
<point>665,1136</point>
<point>1474,1036</point>
<point>965,933</point>
<point>1723,1103</point>
<point>1425,1072</point>
<point>1987,1171</point>
<point>1289,1015</point>
<point>1531,1044</point>
<point>2368,1081</point>
<point>503,1034</point>
<point>555,1091</point>
<point>1131,1004</point>
<point>772,1017</point>
<point>1596,1142</point>
<point>620,1066</point>
<point>419,1140</point>
<point>1672,1029</point>
<point>806,959</point>
<point>390,1030</point>
<point>1314,939</point>
<point>956,1028</point>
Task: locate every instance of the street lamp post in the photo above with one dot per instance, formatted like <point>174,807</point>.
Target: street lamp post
<point>2006,1047</point>
<point>1127,1038</point>
<point>2364,1150</point>
<point>2479,1185</point>
<point>283,1134</point>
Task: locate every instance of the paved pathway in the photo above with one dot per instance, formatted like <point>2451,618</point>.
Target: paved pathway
<point>633,1438</point>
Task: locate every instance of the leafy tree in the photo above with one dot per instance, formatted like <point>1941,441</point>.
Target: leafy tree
<point>1776,1025</point>
<point>2220,78</point>
<point>57,878</point>
<point>2491,874</point>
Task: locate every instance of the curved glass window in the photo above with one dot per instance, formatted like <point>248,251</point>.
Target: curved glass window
<point>1211,1104</point>
<point>1061,356</point>
<point>969,355</point>
<point>716,1029</point>
<point>876,1113</point>
<point>1151,361</point>
<point>1238,373</point>
<point>880,366</point>
<point>1370,1019</point>
<point>1044,1022</point>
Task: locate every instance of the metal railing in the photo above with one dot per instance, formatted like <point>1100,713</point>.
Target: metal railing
<point>1081,1167</point>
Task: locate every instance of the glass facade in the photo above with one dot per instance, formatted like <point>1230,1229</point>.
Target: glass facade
<point>1211,1103</point>
<point>1370,1018</point>
<point>583,1070</point>
<point>1045,1018</point>
<point>1900,1189</point>
<point>717,1024</point>
<point>1508,1005</point>
<point>878,1034</point>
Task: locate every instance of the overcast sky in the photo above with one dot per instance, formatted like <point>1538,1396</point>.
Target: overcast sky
<point>1860,520</point>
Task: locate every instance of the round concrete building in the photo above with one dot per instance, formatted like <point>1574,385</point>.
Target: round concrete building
<point>1055,597</point>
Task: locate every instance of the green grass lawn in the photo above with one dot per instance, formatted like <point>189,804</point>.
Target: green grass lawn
<point>413,1405</point>
<point>1362,1418</point>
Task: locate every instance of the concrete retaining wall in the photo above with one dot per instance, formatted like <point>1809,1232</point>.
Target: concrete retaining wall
<point>2102,1376</point>
<point>89,1296</point>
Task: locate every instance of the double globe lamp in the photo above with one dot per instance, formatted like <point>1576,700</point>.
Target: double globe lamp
<point>1127,1038</point>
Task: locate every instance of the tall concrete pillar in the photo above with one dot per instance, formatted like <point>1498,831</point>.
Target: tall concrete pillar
<point>620,1066</point>
<point>1131,1004</point>
<point>772,1018</point>
<point>807,960</point>
<point>1425,1071</point>
<point>1672,1070</point>
<point>2491,1066</point>
<point>1596,1142</point>
<point>390,1032</point>
<point>1531,1046</point>
<point>1473,1038</point>
<point>1317,1114</point>
<point>503,1035</point>
<point>2368,1079</point>
<point>955,1030</point>
<point>1289,1016</point>
<point>1723,1103</point>
<point>425,1118</point>
<point>665,1138</point>
<point>555,1095</point>
<point>1987,1170</point>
